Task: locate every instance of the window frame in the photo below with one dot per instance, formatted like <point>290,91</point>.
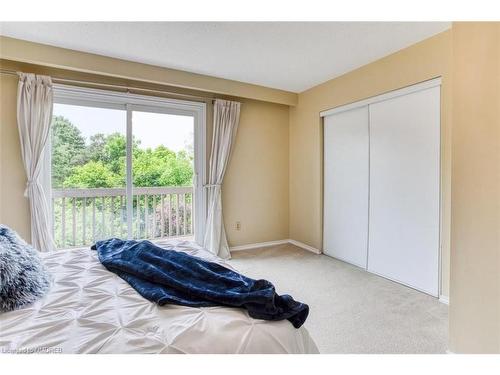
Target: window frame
<point>98,98</point>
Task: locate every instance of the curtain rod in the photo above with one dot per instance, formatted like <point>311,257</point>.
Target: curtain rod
<point>107,85</point>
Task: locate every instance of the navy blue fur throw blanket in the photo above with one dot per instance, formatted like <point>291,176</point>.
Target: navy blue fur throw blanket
<point>168,276</point>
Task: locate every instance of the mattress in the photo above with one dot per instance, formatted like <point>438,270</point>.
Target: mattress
<point>91,310</point>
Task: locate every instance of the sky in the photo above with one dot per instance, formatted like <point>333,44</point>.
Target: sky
<point>152,129</point>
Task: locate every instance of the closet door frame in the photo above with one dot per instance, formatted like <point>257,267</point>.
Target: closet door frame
<point>379,98</point>
<point>388,95</point>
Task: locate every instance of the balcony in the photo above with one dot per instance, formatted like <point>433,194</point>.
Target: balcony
<point>83,216</point>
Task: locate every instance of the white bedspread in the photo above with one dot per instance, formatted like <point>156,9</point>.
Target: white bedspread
<point>91,310</point>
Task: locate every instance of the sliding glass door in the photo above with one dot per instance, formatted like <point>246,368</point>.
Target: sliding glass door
<point>125,166</point>
<point>162,174</point>
<point>88,163</point>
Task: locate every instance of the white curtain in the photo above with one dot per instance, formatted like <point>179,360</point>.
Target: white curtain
<point>34,114</point>
<point>226,120</point>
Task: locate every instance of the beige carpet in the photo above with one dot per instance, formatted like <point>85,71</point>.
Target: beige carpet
<point>351,310</point>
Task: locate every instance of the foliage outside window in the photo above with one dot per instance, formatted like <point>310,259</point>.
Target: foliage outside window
<point>100,162</point>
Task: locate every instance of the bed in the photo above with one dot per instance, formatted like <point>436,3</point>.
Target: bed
<point>91,310</point>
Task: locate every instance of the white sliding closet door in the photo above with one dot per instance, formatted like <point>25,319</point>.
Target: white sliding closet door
<point>346,186</point>
<point>404,189</point>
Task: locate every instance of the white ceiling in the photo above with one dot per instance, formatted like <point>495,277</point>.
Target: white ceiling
<point>292,56</point>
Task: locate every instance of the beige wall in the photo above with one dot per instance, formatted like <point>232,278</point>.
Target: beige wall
<point>422,61</point>
<point>256,184</point>
<point>14,210</point>
<point>255,190</point>
<point>475,230</point>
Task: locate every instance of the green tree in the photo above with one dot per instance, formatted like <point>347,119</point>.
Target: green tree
<point>178,171</point>
<point>93,174</point>
<point>101,163</point>
<point>162,167</point>
<point>68,149</point>
<point>95,150</point>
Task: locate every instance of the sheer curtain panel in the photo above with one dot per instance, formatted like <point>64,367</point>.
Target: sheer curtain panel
<point>226,120</point>
<point>34,114</point>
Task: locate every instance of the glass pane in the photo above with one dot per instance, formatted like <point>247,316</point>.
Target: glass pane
<point>88,174</point>
<point>162,170</point>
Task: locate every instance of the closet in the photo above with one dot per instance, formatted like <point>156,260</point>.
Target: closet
<point>382,185</point>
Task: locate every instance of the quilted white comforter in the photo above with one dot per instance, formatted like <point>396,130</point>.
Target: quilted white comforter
<point>91,310</point>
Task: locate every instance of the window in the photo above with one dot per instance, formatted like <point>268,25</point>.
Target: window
<point>125,166</point>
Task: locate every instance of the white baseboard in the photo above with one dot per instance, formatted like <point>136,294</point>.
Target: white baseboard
<point>304,246</point>
<point>274,243</point>
<point>444,299</point>
<point>257,245</point>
